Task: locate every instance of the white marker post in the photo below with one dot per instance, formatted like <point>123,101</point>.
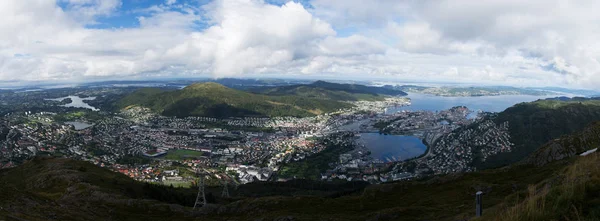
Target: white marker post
<point>479,205</point>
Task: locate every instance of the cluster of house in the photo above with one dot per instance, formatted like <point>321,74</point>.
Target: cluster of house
<point>248,174</point>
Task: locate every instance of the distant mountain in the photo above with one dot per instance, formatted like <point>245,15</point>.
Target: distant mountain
<point>561,98</point>
<point>406,87</point>
<point>215,100</point>
<point>332,91</point>
<point>573,99</point>
<point>473,91</point>
<point>242,84</point>
<point>583,92</point>
<point>357,88</point>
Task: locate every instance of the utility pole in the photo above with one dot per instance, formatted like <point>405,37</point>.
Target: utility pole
<point>201,198</point>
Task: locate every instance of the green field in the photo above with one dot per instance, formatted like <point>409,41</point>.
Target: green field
<point>183,154</point>
<point>184,184</point>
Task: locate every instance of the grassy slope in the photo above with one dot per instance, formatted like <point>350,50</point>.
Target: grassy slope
<point>441,198</point>
<point>574,194</point>
<point>567,146</point>
<point>562,190</point>
<point>70,190</point>
<point>62,189</point>
<point>211,99</point>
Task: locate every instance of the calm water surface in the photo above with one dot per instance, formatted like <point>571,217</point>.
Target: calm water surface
<point>483,103</point>
<point>391,148</point>
<point>79,125</point>
<point>77,102</point>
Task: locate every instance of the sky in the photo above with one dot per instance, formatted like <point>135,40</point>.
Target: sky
<point>492,42</point>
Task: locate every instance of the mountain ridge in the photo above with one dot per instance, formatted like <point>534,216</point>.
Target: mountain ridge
<point>215,100</point>
<point>332,91</point>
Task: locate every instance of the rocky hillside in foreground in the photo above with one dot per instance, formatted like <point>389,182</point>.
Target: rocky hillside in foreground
<point>63,189</point>
<point>567,146</point>
<point>533,124</point>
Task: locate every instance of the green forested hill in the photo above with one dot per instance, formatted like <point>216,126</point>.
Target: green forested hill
<point>315,92</point>
<point>215,100</point>
<point>332,91</point>
<point>533,124</point>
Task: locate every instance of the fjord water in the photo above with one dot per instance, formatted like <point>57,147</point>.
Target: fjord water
<point>398,148</point>
<point>484,103</point>
<point>77,101</point>
<point>389,148</point>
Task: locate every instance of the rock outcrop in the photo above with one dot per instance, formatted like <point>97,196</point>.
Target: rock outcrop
<point>567,146</point>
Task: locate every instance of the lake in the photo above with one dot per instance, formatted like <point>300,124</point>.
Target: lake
<point>79,125</point>
<point>484,103</point>
<point>390,148</point>
<point>76,101</point>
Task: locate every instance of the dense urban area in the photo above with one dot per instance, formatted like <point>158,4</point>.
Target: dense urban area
<point>173,150</point>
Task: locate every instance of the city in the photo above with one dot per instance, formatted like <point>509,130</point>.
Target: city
<point>150,147</point>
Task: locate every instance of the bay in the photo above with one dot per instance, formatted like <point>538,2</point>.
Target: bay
<point>76,101</point>
<point>480,103</point>
<point>391,148</point>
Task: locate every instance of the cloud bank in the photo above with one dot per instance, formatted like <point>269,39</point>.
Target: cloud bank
<point>523,43</point>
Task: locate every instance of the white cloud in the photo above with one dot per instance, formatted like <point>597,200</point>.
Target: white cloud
<point>352,45</point>
<point>558,32</point>
<point>88,10</point>
<point>250,34</point>
<point>342,13</point>
<point>245,36</point>
<point>504,41</point>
